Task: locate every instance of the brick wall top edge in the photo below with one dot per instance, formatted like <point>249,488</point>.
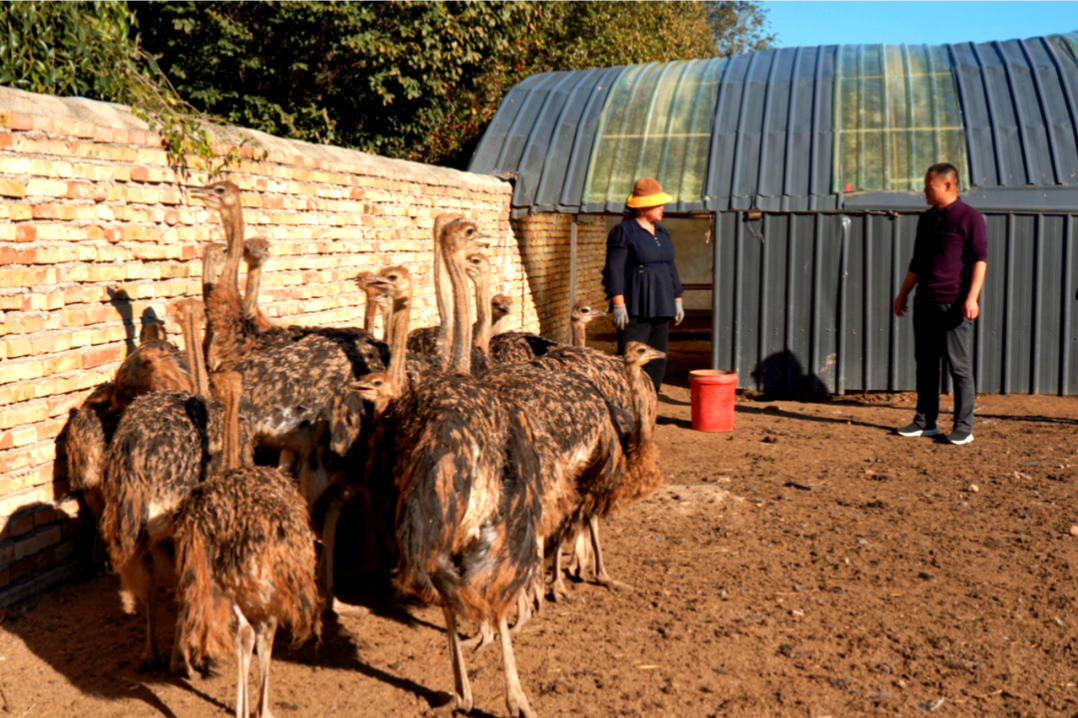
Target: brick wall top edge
<point>296,152</point>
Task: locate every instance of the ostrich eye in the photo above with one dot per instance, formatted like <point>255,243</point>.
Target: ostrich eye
<point>470,231</point>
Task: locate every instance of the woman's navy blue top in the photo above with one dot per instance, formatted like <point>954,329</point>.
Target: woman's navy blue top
<point>641,266</point>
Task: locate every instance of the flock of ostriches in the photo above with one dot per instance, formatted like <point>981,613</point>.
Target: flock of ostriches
<point>472,456</point>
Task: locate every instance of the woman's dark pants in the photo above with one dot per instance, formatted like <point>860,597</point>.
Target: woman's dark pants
<point>654,332</point>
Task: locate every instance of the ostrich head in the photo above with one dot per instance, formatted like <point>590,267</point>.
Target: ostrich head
<point>502,305</point>
<point>478,265</point>
<point>584,312</point>
<point>377,388</point>
<point>638,354</point>
<point>394,282</point>
<point>463,236</point>
<point>221,196</point>
<point>256,251</point>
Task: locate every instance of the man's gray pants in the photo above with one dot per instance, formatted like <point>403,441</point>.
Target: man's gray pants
<point>940,330</point>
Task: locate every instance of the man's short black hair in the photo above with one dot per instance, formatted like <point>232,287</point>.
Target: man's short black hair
<point>944,169</point>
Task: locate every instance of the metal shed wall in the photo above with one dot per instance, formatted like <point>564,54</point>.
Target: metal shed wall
<point>802,302</point>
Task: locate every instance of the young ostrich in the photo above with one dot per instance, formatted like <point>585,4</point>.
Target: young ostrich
<point>163,445</point>
<point>468,483</point>
<point>245,551</point>
<point>300,377</point>
<point>255,255</point>
<point>424,341</point>
<point>156,365</point>
<point>509,347</point>
<point>641,475</point>
<point>372,308</point>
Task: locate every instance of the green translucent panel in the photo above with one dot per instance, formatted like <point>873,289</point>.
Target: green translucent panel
<point>656,123</point>
<point>896,114</point>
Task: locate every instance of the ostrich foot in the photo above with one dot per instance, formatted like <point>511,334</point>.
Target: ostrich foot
<point>611,584</point>
<point>339,608</point>
<point>480,640</point>
<point>456,703</point>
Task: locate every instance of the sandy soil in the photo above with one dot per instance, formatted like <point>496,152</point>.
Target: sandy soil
<point>810,563</point>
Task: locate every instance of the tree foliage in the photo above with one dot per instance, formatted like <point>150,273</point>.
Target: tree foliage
<point>91,49</point>
<point>414,80</point>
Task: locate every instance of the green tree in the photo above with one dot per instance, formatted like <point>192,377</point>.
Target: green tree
<point>414,80</point>
<point>91,49</point>
<point>398,78</point>
<point>738,27</point>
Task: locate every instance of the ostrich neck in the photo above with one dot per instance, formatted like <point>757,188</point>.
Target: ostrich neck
<point>398,317</point>
<point>232,219</point>
<point>250,294</point>
<point>461,348</point>
<point>443,292</point>
<point>580,333</point>
<point>641,388</point>
<point>231,440</point>
<point>483,320</point>
<point>209,271</point>
<point>370,313</point>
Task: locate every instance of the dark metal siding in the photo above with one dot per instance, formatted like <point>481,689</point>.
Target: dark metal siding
<point>803,302</point>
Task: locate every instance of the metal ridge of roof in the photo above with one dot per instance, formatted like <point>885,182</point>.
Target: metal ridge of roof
<point>789,129</point>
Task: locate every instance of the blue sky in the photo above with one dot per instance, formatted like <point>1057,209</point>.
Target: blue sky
<point>814,22</point>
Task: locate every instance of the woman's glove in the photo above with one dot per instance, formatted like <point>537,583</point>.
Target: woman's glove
<point>679,312</point>
<point>621,316</point>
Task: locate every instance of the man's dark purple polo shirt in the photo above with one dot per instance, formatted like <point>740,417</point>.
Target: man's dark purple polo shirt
<point>949,242</point>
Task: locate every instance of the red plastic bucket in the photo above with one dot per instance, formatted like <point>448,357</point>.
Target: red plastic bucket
<point>713,395</point>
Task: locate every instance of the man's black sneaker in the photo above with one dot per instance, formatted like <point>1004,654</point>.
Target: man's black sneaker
<point>915,430</point>
<point>959,437</point>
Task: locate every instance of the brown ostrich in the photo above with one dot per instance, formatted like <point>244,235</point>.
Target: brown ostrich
<point>509,347</point>
<point>255,255</point>
<point>372,307</point>
<point>501,305</point>
<point>245,552</point>
<point>300,378</point>
<point>424,341</point>
<point>87,441</point>
<point>641,475</point>
<point>164,444</point>
<point>468,481</point>
<point>156,365</point>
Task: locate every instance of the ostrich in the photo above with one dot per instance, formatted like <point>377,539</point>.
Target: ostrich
<point>467,475</point>
<point>87,441</point>
<point>641,475</point>
<point>509,347</point>
<point>300,381</point>
<point>156,365</point>
<point>255,254</point>
<point>245,552</point>
<point>372,307</point>
<point>501,305</point>
<point>424,341</point>
<point>163,445</point>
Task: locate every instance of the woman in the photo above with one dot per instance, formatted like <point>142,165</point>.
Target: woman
<point>641,279</point>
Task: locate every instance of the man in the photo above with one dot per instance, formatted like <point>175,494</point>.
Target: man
<point>950,258</point>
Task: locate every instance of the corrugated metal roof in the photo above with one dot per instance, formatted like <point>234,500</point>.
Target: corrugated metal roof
<point>789,129</point>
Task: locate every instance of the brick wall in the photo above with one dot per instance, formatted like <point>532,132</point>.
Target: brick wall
<point>544,242</point>
<point>97,236</point>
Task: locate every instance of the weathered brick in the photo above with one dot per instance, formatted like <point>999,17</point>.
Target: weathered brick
<point>12,188</point>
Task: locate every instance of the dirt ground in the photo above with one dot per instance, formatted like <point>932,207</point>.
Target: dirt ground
<point>811,563</point>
